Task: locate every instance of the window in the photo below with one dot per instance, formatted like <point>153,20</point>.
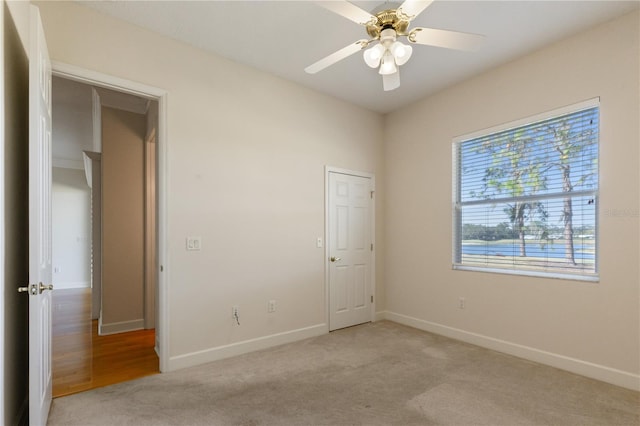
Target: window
<point>526,194</point>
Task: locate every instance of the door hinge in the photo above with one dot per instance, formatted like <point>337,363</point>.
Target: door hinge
<point>371,246</point>
<point>372,298</point>
<point>372,194</point>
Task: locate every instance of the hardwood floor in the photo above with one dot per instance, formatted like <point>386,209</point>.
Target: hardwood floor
<point>82,360</point>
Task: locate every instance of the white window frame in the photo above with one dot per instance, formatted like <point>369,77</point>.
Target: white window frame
<point>456,195</point>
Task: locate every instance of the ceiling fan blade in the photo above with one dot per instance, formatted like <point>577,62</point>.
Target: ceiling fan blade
<point>413,8</point>
<point>349,11</point>
<point>445,38</point>
<point>337,56</point>
<point>391,81</point>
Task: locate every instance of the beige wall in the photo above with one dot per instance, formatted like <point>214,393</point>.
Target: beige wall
<point>246,153</point>
<point>14,315</point>
<point>122,220</point>
<point>589,322</point>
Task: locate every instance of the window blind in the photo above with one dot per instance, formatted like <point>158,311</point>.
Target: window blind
<point>525,197</point>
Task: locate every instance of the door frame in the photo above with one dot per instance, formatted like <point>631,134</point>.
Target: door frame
<point>2,206</point>
<point>94,78</point>
<point>328,170</point>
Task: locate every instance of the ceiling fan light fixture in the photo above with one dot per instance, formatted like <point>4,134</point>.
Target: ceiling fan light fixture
<point>388,64</point>
<point>385,26</point>
<point>373,55</point>
<point>387,36</point>
<point>401,52</point>
<point>391,81</point>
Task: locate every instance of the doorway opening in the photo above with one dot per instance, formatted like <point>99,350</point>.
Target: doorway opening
<point>105,257</point>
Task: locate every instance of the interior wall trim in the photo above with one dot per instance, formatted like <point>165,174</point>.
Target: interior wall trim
<point>380,315</point>
<point>603,373</point>
<point>121,327</point>
<point>99,79</point>
<point>213,354</point>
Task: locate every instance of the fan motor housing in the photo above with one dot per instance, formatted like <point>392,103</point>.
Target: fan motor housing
<point>390,18</point>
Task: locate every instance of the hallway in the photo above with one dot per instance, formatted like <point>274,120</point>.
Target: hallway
<point>82,359</point>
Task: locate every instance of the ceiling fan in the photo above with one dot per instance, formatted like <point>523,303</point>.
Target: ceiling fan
<point>385,27</point>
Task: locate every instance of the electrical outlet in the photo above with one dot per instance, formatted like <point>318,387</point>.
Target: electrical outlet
<point>271,306</point>
<point>461,303</point>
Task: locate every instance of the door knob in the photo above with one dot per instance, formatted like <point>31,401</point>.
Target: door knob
<point>335,259</point>
<point>45,287</point>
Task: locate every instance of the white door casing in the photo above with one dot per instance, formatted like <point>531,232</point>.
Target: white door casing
<point>40,374</point>
<point>350,249</point>
<point>98,79</point>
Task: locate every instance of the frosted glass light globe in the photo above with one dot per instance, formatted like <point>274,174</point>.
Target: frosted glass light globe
<point>372,56</point>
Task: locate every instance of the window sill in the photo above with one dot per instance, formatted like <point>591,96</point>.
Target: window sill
<point>552,275</point>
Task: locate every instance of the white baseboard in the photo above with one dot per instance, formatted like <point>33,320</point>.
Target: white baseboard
<point>379,316</point>
<point>595,371</point>
<point>120,327</point>
<point>239,348</point>
<point>73,284</point>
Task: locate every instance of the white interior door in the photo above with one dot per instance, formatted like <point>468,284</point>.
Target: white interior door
<point>350,249</point>
<point>40,374</point>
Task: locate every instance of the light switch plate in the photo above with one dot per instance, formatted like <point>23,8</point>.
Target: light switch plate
<point>194,243</point>
<point>319,242</point>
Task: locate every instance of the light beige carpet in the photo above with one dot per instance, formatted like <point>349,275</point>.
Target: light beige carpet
<point>374,374</point>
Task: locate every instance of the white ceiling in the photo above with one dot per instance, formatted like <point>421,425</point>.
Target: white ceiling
<point>283,37</point>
